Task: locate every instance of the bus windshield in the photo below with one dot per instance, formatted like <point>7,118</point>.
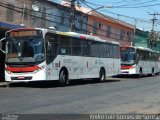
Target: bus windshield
<point>128,56</point>
<point>24,49</point>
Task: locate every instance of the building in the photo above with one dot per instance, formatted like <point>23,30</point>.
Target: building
<point>141,38</point>
<point>109,28</point>
<point>38,13</point>
<point>12,14</point>
<point>59,16</point>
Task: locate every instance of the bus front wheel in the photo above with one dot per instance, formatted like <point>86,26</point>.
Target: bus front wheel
<point>63,78</point>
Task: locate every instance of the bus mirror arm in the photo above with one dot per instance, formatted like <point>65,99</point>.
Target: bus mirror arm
<point>2,45</point>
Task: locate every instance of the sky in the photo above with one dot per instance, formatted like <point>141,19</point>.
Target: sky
<point>123,10</point>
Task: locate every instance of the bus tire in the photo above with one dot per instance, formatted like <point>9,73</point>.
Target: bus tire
<point>140,73</point>
<point>102,75</point>
<point>153,74</point>
<point>63,78</point>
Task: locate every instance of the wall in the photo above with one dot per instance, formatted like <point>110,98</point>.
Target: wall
<point>111,29</point>
<point>14,14</point>
<point>141,38</point>
<point>58,16</point>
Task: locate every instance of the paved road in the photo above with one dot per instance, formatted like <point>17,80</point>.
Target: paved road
<point>116,95</point>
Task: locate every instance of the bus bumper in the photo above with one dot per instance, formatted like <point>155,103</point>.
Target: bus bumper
<point>25,77</point>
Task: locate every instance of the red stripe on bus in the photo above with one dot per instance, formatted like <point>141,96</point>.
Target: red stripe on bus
<point>82,37</point>
<point>22,69</point>
<point>127,67</point>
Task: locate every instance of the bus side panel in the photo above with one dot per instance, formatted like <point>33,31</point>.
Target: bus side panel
<point>116,66</point>
<point>75,67</point>
<point>53,70</point>
<point>87,67</point>
<point>97,64</point>
<point>109,64</point>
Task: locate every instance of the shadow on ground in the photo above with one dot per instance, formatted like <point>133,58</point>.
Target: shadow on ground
<point>54,84</point>
<point>132,76</point>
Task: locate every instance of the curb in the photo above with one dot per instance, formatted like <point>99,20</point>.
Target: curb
<point>3,84</point>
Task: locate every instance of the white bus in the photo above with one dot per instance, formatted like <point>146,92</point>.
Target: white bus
<point>139,61</point>
<point>45,54</point>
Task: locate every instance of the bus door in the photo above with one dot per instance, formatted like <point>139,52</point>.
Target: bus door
<point>52,56</point>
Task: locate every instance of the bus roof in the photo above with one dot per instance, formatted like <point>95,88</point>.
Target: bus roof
<point>74,34</point>
<point>141,48</point>
<point>79,35</point>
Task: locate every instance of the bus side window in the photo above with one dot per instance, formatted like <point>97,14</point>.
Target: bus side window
<point>85,47</point>
<point>76,46</point>
<point>65,45</point>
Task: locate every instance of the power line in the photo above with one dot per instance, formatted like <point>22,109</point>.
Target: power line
<point>153,34</point>
<point>148,8</point>
<point>19,11</point>
<point>129,5</point>
<point>137,6</point>
<point>139,19</point>
<point>134,18</point>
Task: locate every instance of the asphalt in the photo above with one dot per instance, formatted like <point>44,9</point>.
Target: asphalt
<point>3,84</point>
<point>123,96</point>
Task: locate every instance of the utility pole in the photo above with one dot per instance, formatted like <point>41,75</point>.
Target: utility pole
<point>152,37</point>
<point>23,12</point>
<point>72,22</point>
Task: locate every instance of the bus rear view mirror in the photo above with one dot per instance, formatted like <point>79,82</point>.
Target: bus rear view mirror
<point>1,45</point>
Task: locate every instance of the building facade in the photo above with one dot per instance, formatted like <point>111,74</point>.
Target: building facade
<point>13,14</point>
<point>38,13</point>
<point>59,16</point>
<point>141,38</point>
<point>109,28</point>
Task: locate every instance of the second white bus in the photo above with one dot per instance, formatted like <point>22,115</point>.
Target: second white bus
<point>139,61</point>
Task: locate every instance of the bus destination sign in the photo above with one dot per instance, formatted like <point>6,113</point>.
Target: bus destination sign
<point>23,33</point>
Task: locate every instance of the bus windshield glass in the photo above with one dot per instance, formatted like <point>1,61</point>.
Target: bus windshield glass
<point>25,49</point>
<point>127,56</point>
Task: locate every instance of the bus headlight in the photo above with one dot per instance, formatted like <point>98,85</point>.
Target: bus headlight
<point>9,72</point>
<point>39,69</point>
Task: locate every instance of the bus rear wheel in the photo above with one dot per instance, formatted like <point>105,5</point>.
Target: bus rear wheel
<point>102,75</point>
<point>63,78</point>
<point>152,74</point>
<point>140,73</point>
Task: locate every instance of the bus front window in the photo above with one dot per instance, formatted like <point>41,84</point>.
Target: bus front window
<point>128,58</point>
<point>24,49</point>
